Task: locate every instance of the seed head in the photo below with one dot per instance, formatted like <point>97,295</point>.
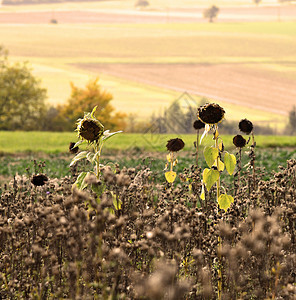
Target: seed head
<point>73,150</point>
<point>39,179</point>
<point>239,141</point>
<point>90,129</point>
<point>245,126</point>
<point>198,124</point>
<point>211,113</point>
<point>175,145</point>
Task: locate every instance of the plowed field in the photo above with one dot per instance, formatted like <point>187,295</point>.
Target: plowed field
<point>237,84</point>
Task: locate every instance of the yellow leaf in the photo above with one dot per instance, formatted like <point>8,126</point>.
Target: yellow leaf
<point>230,162</point>
<point>211,155</point>
<point>169,158</point>
<point>216,134</point>
<point>225,201</point>
<point>170,176</point>
<point>202,195</point>
<point>221,165</point>
<point>210,177</point>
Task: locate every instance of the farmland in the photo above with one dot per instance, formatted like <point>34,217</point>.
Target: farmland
<point>20,149</point>
<point>245,65</point>
<point>132,235</point>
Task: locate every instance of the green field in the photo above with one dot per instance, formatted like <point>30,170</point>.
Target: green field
<point>19,150</point>
<point>58,142</point>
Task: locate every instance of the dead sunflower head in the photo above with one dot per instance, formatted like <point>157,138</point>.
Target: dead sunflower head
<point>90,129</point>
<point>73,149</point>
<point>239,141</point>
<point>198,124</point>
<point>39,179</point>
<point>245,126</point>
<point>211,113</point>
<point>174,145</point>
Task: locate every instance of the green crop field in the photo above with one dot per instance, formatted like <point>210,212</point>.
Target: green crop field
<point>21,152</point>
<point>58,142</point>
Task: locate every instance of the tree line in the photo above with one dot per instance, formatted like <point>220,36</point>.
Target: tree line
<point>23,102</point>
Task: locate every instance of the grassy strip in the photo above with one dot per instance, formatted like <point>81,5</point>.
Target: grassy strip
<point>58,142</point>
<point>57,165</point>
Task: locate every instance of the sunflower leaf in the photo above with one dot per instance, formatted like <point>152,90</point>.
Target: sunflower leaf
<point>225,201</point>
<point>80,183</point>
<point>230,162</point>
<point>211,155</point>
<point>78,157</point>
<point>210,176</point>
<point>170,176</point>
<point>108,134</point>
<point>92,114</point>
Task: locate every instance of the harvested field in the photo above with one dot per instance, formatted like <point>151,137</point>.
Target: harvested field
<point>154,56</point>
<point>195,14</point>
<point>255,88</point>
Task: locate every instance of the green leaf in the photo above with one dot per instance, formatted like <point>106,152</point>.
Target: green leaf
<point>210,176</point>
<point>90,157</point>
<point>230,162</point>
<point>78,143</point>
<point>225,201</point>
<point>170,176</point>
<point>98,189</point>
<point>107,134</point>
<point>80,180</point>
<point>211,155</point>
<point>78,157</point>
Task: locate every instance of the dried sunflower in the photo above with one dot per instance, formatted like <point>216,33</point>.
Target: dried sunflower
<point>90,128</point>
<point>239,141</point>
<point>175,145</point>
<point>73,149</point>
<point>211,113</point>
<point>198,124</point>
<point>245,126</point>
<point>39,179</point>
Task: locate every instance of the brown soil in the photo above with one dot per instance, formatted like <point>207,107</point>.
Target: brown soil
<point>134,16</point>
<point>255,88</point>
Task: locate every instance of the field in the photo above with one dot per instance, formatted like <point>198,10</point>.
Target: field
<point>147,59</point>
<point>19,150</point>
<point>122,224</point>
<point>130,234</point>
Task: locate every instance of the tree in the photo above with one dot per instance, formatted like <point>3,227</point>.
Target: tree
<point>292,120</point>
<point>257,1</point>
<point>142,4</point>
<point>22,100</point>
<point>211,13</point>
<point>84,100</point>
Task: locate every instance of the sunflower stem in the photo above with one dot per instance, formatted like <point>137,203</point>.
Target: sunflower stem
<point>197,141</point>
<point>216,136</point>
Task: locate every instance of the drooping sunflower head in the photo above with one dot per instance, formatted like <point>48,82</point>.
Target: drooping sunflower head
<point>73,149</point>
<point>245,126</point>
<point>198,124</point>
<point>175,145</point>
<point>211,113</point>
<point>239,141</point>
<point>39,179</point>
<point>89,128</point>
